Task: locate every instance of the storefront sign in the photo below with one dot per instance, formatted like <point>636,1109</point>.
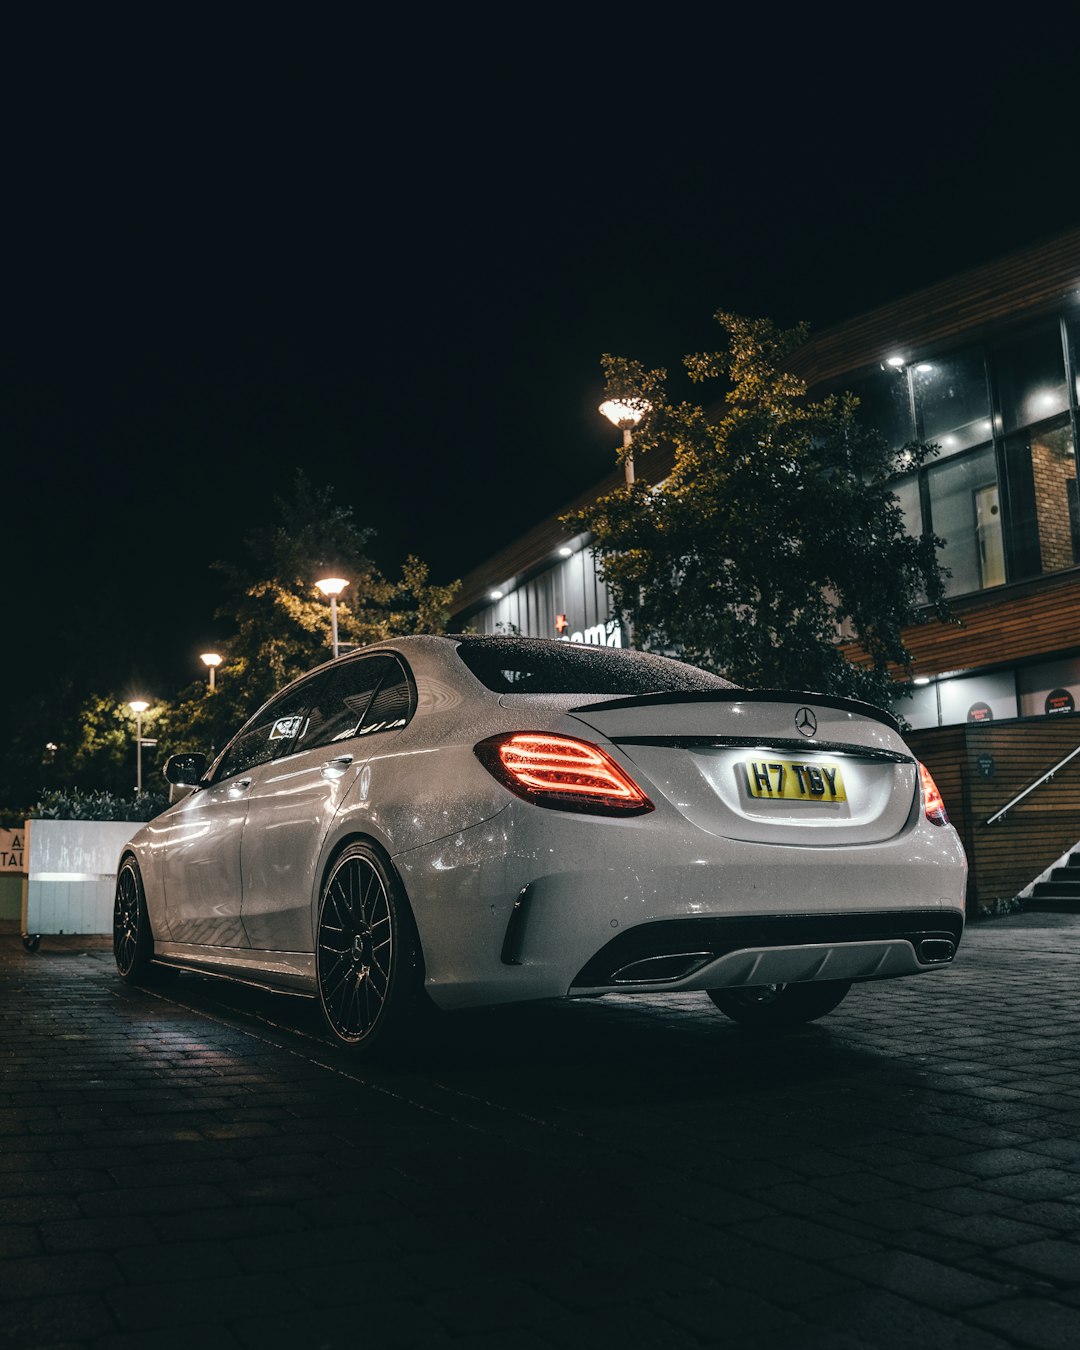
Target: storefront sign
<point>980,712</point>
<point>1058,701</point>
<point>600,635</point>
<point>11,850</point>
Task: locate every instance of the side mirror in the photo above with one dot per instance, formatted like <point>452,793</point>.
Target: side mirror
<point>184,770</point>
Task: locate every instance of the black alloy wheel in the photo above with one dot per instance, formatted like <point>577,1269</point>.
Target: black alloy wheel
<point>775,1007</point>
<point>133,942</point>
<point>367,952</point>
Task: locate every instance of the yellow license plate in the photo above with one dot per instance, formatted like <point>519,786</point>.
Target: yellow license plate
<point>792,780</point>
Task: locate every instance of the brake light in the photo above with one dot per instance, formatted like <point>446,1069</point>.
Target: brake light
<point>933,803</point>
<point>562,773</point>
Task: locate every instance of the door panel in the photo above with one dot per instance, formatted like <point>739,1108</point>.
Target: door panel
<point>203,880</point>
<point>202,864</point>
<point>296,799</point>
<point>290,814</point>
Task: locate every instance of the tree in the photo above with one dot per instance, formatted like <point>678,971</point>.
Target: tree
<point>281,624</point>
<point>102,754</point>
<point>776,544</point>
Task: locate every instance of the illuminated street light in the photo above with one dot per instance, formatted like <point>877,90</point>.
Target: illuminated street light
<point>626,413</point>
<point>332,586</point>
<point>211,660</point>
<point>138,706</point>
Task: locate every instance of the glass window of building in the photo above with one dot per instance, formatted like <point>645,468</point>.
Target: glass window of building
<point>965,507</point>
<point>952,401</point>
<point>1050,689</point>
<point>977,698</point>
<point>907,492</point>
<point>1031,378</point>
<point>885,405</point>
<point>1073,327</point>
<point>920,709</point>
<point>1044,509</point>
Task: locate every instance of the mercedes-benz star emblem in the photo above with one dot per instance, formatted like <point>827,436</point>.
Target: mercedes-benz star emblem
<point>806,722</point>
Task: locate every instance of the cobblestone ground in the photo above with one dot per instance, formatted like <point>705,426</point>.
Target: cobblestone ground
<point>199,1167</point>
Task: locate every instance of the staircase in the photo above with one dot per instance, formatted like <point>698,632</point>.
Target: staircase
<point>1060,892</point>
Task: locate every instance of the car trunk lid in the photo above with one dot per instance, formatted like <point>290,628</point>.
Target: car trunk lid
<point>771,766</point>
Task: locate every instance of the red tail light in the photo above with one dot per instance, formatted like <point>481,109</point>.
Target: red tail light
<point>562,773</point>
<point>933,804</point>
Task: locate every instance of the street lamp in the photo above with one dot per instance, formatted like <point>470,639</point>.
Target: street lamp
<point>211,660</point>
<point>138,706</point>
<point>626,413</point>
<point>332,586</point>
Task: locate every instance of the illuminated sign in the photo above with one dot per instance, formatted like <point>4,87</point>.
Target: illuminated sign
<point>599,635</point>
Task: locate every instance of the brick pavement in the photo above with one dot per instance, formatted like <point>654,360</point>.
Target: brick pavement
<point>198,1167</point>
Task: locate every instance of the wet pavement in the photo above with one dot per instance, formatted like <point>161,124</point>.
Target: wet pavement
<point>198,1166</point>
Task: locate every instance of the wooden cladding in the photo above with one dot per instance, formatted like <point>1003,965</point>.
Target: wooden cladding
<point>978,769</point>
<point>1022,285</point>
<point>999,626</point>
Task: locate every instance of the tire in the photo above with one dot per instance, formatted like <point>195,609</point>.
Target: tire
<point>367,953</point>
<point>133,941</point>
<point>775,1007</point>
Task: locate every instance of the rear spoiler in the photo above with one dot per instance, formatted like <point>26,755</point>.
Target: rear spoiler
<point>852,705</point>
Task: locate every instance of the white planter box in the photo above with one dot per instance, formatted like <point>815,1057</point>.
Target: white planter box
<point>71,873</point>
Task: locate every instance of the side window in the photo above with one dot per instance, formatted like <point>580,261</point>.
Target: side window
<point>341,699</point>
<point>277,729</point>
<point>370,694</point>
<point>392,705</point>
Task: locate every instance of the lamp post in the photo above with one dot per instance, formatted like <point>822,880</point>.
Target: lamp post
<point>211,660</point>
<point>332,586</point>
<point>138,706</point>
<point>625,413</point>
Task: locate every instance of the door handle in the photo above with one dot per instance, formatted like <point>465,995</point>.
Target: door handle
<point>334,768</point>
<point>239,787</point>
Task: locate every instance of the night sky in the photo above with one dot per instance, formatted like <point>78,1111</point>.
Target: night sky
<point>394,254</point>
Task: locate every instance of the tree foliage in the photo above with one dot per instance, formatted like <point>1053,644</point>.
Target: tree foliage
<point>776,542</point>
<point>275,624</point>
<point>281,624</point>
<point>102,749</point>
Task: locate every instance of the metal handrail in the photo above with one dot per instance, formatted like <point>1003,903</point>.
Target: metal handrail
<point>1037,783</point>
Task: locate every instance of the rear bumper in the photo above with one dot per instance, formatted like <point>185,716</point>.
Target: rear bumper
<point>531,904</point>
<point>779,949</point>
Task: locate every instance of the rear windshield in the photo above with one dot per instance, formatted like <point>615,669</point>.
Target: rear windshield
<point>541,666</point>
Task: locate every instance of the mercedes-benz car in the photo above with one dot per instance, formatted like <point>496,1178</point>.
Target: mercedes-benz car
<point>468,821</point>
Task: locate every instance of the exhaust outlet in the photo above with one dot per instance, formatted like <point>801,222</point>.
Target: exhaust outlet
<point>934,950</point>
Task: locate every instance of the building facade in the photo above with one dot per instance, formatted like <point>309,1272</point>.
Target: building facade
<point>985,365</point>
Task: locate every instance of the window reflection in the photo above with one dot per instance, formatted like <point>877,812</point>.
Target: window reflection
<point>1073,327</point>
<point>989,411</point>
<point>966,511</point>
<point>1031,378</point>
<point>1044,512</point>
<point>978,698</point>
<point>907,492</point>
<point>885,405</point>
<point>953,401</point>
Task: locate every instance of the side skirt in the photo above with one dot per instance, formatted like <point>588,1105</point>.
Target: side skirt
<point>288,972</point>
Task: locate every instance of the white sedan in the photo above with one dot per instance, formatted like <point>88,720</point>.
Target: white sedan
<point>470,821</point>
